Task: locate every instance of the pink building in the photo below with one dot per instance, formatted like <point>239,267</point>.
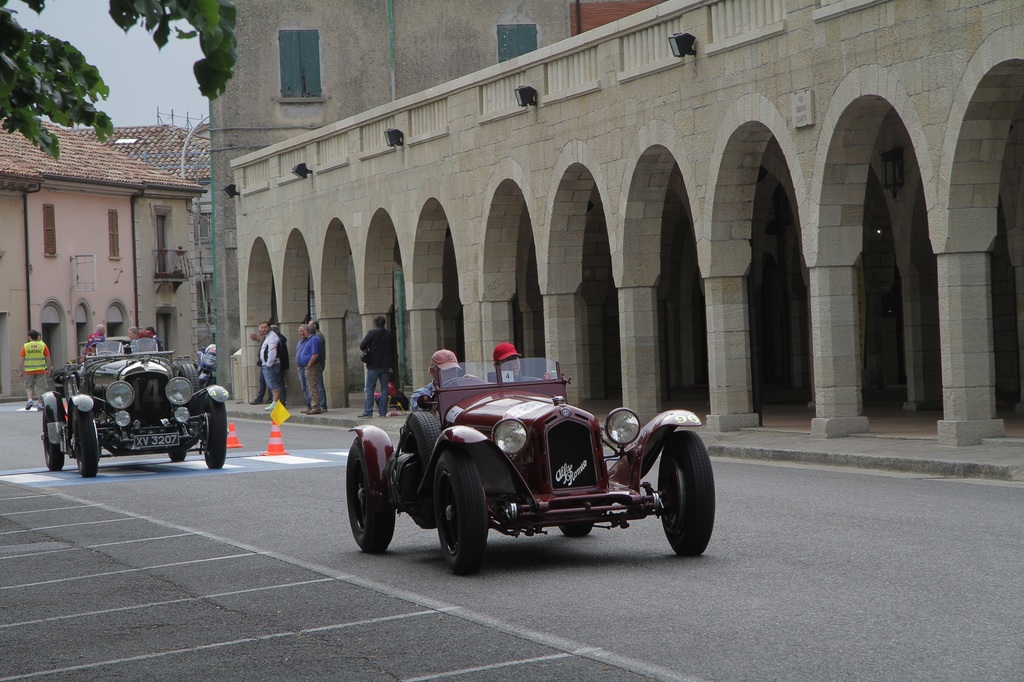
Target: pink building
<point>74,230</point>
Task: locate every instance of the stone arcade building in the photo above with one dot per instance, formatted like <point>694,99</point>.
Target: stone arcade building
<point>825,201</point>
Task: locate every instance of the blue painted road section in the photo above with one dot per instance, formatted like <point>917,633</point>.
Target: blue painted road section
<point>120,470</point>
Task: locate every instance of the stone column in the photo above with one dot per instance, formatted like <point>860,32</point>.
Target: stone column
<point>562,324</point>
<point>1018,273</point>
<point>424,339</point>
<point>921,341</point>
<point>835,338</point>
<point>336,364</point>
<point>495,326</point>
<point>968,360</point>
<point>729,354</point>
<point>641,373</point>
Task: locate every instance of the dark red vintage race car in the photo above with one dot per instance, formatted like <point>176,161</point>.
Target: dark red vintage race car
<point>493,450</point>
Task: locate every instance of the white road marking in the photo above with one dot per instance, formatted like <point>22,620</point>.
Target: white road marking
<point>483,668</point>
<point>126,570</point>
<point>285,459</point>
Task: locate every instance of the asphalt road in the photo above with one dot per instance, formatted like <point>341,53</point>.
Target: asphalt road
<point>166,571</point>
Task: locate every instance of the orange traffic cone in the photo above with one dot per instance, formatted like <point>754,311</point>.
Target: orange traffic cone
<point>233,437</point>
<point>276,446</point>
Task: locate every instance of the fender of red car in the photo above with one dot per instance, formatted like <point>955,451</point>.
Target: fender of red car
<point>377,448</point>
<point>498,475</point>
<point>651,439</point>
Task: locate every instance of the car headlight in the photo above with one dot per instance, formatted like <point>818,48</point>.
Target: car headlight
<point>622,426</point>
<point>510,436</point>
<point>179,390</point>
<point>122,419</point>
<point>181,414</point>
<point>120,395</point>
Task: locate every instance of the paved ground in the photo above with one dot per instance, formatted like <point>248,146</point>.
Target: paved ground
<point>898,441</point>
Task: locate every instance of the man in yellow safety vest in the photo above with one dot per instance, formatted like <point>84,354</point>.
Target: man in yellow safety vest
<point>35,365</point>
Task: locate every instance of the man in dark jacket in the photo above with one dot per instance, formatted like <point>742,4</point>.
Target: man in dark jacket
<point>381,343</point>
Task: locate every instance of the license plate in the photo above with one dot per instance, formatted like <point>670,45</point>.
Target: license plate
<point>150,440</point>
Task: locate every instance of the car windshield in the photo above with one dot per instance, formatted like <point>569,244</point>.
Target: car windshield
<point>107,347</point>
<point>144,345</point>
<point>511,371</point>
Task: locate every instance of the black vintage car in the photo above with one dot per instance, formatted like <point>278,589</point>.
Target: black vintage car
<point>497,450</point>
<point>130,399</point>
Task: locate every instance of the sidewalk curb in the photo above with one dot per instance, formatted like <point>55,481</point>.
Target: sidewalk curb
<point>930,467</point>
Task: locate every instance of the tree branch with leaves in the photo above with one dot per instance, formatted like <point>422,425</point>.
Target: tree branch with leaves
<point>45,77</point>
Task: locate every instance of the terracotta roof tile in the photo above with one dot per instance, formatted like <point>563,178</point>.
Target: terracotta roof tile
<point>160,146</point>
<point>81,159</point>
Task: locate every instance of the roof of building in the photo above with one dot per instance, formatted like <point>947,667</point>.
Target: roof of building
<point>81,159</point>
<point>160,146</point>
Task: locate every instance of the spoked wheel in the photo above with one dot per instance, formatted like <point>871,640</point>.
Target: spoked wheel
<point>87,446</point>
<point>53,456</point>
<point>371,529</point>
<point>576,530</point>
<point>460,508</point>
<point>687,488</point>
<point>216,450</point>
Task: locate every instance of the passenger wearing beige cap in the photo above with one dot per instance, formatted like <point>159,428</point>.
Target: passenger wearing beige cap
<point>444,366</point>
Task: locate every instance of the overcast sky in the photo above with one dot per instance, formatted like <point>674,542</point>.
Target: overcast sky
<point>141,78</point>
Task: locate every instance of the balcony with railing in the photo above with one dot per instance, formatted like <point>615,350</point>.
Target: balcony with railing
<point>172,266</point>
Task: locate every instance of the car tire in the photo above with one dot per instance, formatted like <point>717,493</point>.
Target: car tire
<point>190,372</point>
<point>53,456</point>
<point>371,529</point>
<point>177,455</point>
<point>424,429</point>
<point>460,509</point>
<point>87,446</point>
<point>576,530</point>
<point>216,450</point>
<point>686,485</point>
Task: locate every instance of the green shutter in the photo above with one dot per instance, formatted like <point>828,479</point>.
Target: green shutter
<point>516,39</point>
<point>300,63</point>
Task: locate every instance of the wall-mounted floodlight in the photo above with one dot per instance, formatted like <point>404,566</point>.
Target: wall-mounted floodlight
<point>231,190</point>
<point>394,137</point>
<point>682,44</point>
<point>526,95</point>
<point>301,170</point>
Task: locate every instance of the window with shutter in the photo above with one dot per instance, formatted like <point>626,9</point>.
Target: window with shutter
<point>516,39</point>
<point>113,235</point>
<point>49,230</point>
<point>300,63</point>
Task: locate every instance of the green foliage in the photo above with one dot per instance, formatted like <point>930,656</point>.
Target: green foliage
<point>42,76</point>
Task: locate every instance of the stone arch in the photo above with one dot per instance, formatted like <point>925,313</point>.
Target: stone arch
<point>382,255</point>
<point>335,297</point>
<point>434,283</point>
<point>116,318</point>
<point>581,304</point>
<point>52,321</point>
<point>261,301</point>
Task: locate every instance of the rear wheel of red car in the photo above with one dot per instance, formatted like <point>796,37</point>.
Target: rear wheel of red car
<point>687,488</point>
<point>52,454</point>
<point>460,508</point>
<point>216,435</point>
<point>576,530</point>
<point>371,529</point>
<point>87,446</point>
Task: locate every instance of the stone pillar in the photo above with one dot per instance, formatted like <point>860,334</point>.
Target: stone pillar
<point>475,350</point>
<point>968,360</point>
<point>424,339</point>
<point>835,338</point>
<point>1018,273</point>
<point>495,326</point>
<point>640,343</point>
<point>336,363</point>
<point>562,324</point>
<point>921,341</point>
<point>729,354</point>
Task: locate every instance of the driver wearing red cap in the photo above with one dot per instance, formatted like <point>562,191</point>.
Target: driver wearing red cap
<point>506,360</point>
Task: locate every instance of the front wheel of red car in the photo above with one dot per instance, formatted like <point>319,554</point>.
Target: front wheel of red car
<point>687,488</point>
<point>371,529</point>
<point>460,508</point>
